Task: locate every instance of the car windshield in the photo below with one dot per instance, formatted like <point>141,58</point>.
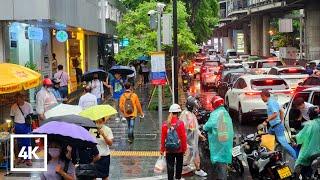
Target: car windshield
<point>233,70</point>
<point>269,64</point>
<point>291,71</point>
<point>312,81</point>
<point>270,84</point>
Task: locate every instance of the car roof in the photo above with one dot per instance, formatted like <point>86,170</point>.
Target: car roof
<point>259,76</point>
<point>287,67</point>
<point>317,88</point>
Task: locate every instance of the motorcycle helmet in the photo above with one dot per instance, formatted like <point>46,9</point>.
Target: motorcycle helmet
<point>217,101</point>
<point>191,103</point>
<point>47,82</point>
<point>175,108</point>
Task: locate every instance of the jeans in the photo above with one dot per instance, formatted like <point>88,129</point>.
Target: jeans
<point>220,169</point>
<point>63,91</point>
<point>278,131</point>
<point>99,101</point>
<point>173,158</point>
<point>130,122</point>
<point>22,129</point>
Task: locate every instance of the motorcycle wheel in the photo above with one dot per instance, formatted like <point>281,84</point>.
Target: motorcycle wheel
<point>236,167</point>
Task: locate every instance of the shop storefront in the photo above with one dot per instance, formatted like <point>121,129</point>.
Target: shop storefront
<point>69,48</point>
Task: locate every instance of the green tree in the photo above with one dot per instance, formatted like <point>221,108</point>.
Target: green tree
<point>142,40</point>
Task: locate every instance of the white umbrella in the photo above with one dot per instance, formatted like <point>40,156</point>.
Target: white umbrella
<point>62,110</point>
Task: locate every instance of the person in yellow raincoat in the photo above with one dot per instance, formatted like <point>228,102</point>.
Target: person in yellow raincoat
<point>220,133</point>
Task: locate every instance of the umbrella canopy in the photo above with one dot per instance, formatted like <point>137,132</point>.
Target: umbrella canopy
<point>97,112</point>
<point>62,110</point>
<point>123,70</point>
<point>88,76</point>
<point>143,58</point>
<point>67,133</point>
<point>15,78</point>
<point>78,120</point>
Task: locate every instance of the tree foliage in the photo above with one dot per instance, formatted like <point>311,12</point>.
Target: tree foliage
<point>202,15</point>
<point>142,39</point>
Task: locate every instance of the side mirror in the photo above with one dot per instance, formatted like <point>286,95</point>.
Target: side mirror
<point>285,105</point>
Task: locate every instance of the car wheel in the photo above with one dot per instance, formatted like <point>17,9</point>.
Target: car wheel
<point>241,116</point>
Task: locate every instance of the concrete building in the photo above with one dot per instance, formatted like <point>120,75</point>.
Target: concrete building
<point>253,18</point>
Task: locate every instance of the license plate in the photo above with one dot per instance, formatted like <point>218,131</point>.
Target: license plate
<point>284,172</point>
<point>185,81</point>
<point>236,151</point>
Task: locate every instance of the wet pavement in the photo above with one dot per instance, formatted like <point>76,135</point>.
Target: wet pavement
<point>141,155</point>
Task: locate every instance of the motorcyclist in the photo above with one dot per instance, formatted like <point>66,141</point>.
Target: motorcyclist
<point>220,132</point>
<point>193,134</point>
<point>308,138</point>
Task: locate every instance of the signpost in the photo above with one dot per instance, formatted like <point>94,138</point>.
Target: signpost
<point>158,68</point>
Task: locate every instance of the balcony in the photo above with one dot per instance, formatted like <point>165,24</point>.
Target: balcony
<point>237,7</point>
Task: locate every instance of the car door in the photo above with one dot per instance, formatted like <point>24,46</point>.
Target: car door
<point>236,89</point>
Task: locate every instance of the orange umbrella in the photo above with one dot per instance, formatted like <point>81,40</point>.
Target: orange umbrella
<point>15,78</point>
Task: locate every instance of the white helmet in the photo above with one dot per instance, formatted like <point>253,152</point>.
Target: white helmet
<point>175,108</point>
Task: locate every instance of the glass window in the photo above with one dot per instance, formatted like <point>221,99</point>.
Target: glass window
<point>237,84</point>
<point>316,99</point>
<point>269,64</point>
<point>270,84</point>
<point>312,81</point>
<point>273,71</point>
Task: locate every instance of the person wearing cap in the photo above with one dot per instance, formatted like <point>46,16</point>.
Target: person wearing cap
<point>220,136</point>
<point>45,99</point>
<point>19,112</point>
<point>87,99</point>
<point>175,157</point>
<point>55,90</point>
<point>277,128</point>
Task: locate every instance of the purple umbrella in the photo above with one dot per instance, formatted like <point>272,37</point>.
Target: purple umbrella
<point>68,133</point>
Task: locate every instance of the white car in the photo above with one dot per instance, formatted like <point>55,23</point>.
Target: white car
<point>263,66</point>
<point>244,97</point>
<point>292,74</point>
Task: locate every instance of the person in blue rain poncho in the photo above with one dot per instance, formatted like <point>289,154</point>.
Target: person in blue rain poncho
<point>220,131</point>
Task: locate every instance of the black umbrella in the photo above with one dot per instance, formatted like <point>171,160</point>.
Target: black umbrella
<point>78,120</point>
<point>88,76</point>
<point>123,70</point>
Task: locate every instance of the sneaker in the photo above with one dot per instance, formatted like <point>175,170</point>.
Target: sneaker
<point>123,119</point>
<point>117,119</point>
<point>130,141</point>
<point>201,173</point>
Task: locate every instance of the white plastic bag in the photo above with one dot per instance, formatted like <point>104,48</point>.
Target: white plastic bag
<point>160,165</point>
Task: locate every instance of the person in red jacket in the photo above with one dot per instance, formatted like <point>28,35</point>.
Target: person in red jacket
<point>176,156</point>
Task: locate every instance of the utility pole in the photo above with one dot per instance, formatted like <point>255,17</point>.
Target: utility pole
<point>159,9</point>
<point>175,51</point>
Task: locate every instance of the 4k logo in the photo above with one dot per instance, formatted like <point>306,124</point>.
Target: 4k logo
<point>37,154</point>
<point>29,153</point>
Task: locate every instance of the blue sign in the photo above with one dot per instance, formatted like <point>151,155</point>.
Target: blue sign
<point>124,42</point>
<point>34,33</point>
<point>62,36</point>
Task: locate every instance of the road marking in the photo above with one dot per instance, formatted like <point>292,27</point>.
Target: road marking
<point>135,153</point>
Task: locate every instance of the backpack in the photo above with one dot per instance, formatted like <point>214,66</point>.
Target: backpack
<point>172,142</point>
<point>128,105</point>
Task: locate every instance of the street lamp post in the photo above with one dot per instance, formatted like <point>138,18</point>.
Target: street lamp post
<point>175,50</point>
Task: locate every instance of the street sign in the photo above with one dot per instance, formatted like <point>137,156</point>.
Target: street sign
<point>167,29</point>
<point>285,25</point>
<point>158,68</point>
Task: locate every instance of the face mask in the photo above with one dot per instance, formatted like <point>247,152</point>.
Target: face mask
<point>54,152</point>
<point>95,77</point>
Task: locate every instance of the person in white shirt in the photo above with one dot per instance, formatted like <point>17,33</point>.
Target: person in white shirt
<point>19,112</point>
<point>303,106</point>
<point>97,88</point>
<point>45,99</point>
<point>104,139</point>
<point>132,77</point>
<point>87,99</point>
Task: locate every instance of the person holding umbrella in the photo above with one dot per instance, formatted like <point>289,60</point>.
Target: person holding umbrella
<point>97,88</point>
<point>117,86</point>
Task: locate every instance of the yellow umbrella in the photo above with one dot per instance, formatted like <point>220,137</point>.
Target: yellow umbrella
<point>97,112</point>
<point>15,78</point>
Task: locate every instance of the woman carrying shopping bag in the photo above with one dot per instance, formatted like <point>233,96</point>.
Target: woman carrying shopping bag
<point>173,142</point>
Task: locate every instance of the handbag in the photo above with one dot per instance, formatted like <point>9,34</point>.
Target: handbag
<point>87,170</point>
<point>28,118</point>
